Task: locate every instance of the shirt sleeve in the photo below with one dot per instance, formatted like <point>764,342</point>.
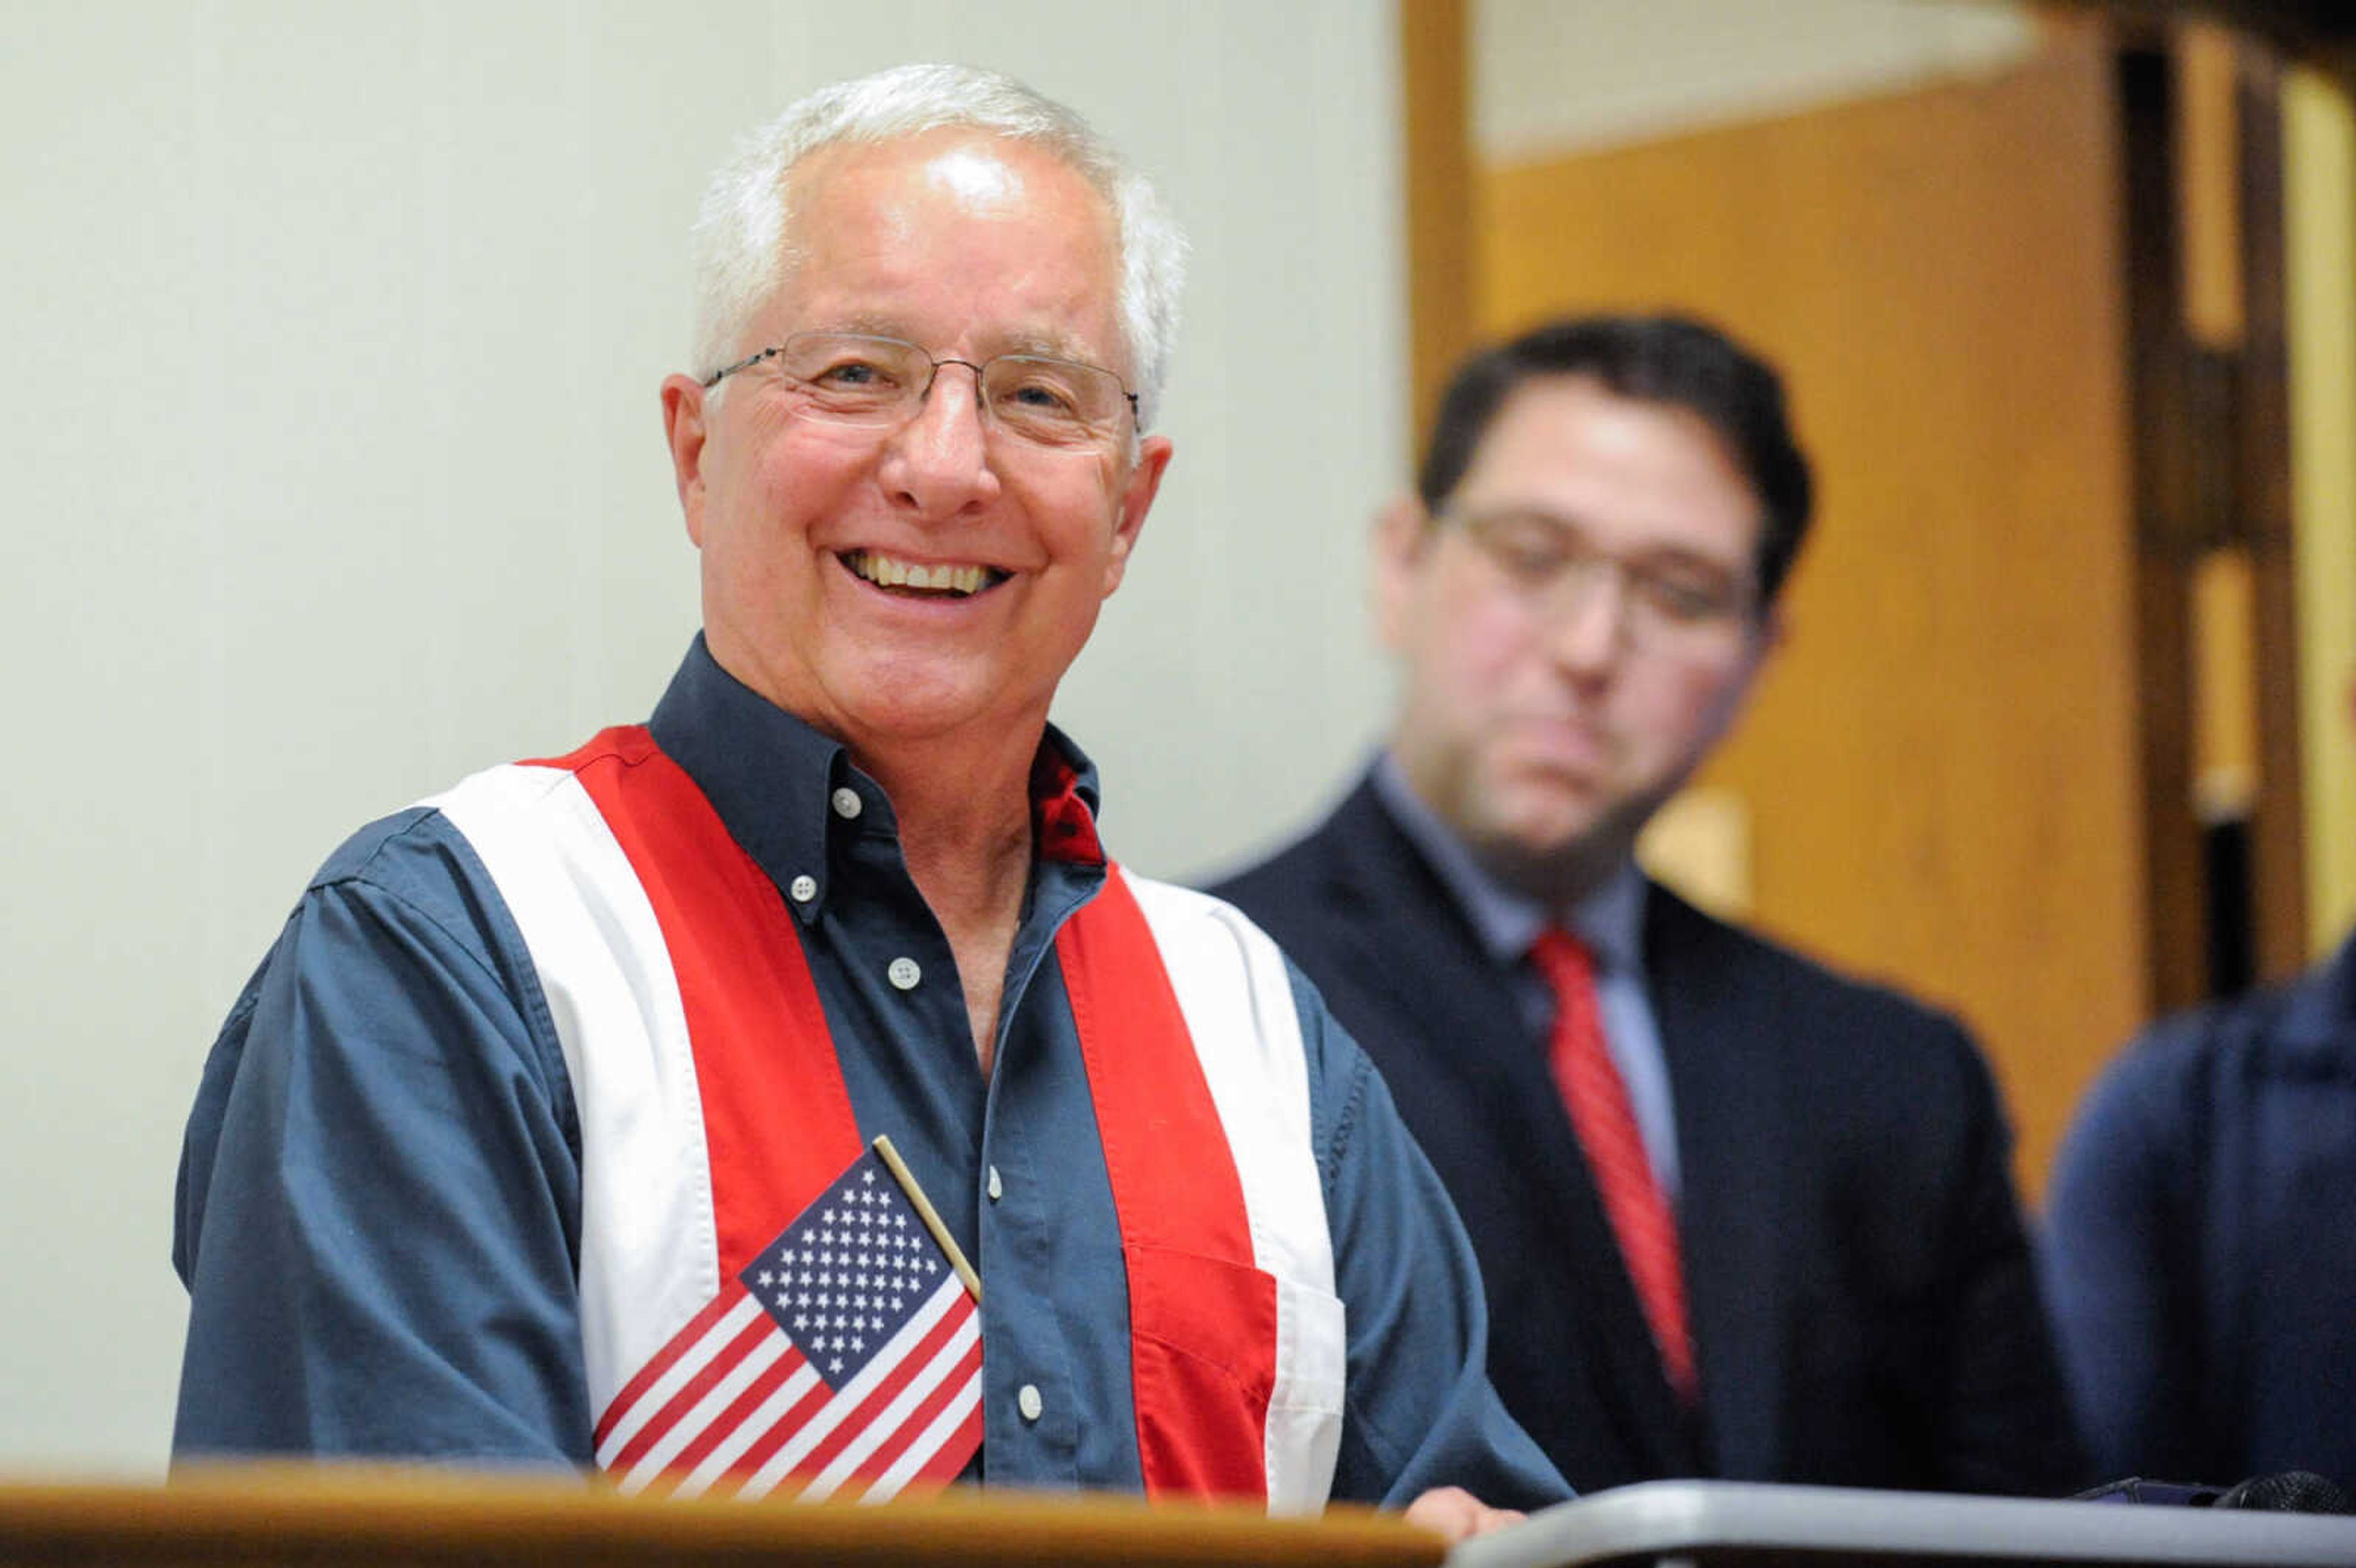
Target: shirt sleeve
<point>2111,1231</point>
<point>1419,1411</point>
<point>378,1201</point>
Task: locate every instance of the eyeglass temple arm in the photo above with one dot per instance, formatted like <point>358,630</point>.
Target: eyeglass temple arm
<point>745,364</point>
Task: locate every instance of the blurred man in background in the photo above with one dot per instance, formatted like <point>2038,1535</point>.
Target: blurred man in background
<point>1738,1216</point>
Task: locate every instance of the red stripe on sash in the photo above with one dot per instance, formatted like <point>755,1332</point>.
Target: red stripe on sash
<point>1202,1313</point>
<point>743,981</point>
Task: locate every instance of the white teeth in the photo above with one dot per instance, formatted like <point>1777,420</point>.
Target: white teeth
<point>887,572</point>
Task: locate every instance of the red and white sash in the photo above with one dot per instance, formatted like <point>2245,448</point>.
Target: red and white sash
<point>712,1107</point>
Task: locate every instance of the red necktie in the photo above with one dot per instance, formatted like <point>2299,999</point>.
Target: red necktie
<point>1598,1101</point>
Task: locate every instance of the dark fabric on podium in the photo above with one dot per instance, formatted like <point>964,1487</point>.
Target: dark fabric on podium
<point>1861,1293</point>
<point>2200,1240</point>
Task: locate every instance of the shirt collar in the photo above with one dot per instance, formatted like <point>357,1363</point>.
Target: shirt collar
<point>1611,920</point>
<point>775,780</point>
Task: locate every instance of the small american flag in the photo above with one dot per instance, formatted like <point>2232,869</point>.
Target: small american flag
<point>844,1359</point>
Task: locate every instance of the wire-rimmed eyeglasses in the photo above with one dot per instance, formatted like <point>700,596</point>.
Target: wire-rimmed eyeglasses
<point>855,377</point>
<point>1675,601</point>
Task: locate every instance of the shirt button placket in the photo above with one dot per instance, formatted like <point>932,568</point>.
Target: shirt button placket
<point>903,973</point>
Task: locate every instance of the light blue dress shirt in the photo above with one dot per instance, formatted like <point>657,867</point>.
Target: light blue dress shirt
<point>1611,922</point>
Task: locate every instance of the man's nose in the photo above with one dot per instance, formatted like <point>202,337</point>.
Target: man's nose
<point>939,461</point>
<point>1587,615</point>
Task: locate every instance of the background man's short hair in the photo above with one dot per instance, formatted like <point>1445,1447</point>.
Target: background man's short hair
<point>743,231</point>
<point>1669,360</point>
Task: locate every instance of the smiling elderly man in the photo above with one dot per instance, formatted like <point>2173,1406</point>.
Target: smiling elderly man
<point>541,1133</point>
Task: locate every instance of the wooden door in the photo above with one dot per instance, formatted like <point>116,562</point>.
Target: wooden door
<point>1941,778</point>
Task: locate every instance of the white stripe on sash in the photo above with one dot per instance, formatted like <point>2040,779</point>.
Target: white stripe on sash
<point>1235,992</point>
<point>649,1246</point>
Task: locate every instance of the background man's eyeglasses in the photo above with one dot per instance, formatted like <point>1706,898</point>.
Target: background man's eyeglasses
<point>1671,603</point>
<point>852,379</point>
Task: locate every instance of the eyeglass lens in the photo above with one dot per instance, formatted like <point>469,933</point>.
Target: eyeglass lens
<point>861,379</point>
<point>1664,600</point>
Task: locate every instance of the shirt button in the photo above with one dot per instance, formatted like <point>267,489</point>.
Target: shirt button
<point>996,1187</point>
<point>903,974</point>
<point>847,804</point>
<point>1027,1401</point>
<point>804,889</point>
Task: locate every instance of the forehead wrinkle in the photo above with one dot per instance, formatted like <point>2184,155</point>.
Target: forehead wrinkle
<point>1050,344</point>
<point>853,285</point>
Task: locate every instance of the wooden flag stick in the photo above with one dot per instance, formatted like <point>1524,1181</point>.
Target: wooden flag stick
<point>930,1215</point>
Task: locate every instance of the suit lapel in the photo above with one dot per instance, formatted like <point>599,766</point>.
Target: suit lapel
<point>1390,900</point>
<point>1722,1034</point>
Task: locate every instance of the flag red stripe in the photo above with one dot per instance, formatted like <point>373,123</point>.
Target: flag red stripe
<point>759,1454</point>
<point>714,1427</point>
<point>888,1453</point>
<point>740,1409</point>
<point>855,1419</point>
<point>684,1400</point>
<point>664,1360</point>
<point>949,1461</point>
<point>746,1423</point>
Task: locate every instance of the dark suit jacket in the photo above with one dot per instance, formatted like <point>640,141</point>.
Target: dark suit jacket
<point>1862,1294</point>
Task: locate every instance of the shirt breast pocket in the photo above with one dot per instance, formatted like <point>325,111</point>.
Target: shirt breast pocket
<point>1238,1377</point>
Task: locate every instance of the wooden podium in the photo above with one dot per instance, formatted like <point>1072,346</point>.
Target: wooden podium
<point>289,1515</point>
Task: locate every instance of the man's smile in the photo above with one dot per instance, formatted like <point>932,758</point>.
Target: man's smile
<point>957,580</point>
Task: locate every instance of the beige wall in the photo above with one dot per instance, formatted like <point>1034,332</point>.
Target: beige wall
<point>1554,76</point>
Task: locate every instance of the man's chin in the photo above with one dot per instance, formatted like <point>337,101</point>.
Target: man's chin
<point>1544,825</point>
<point>1552,846</point>
<point>1535,846</point>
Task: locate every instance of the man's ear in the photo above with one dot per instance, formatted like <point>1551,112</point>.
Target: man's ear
<point>683,428</point>
<point>1137,493</point>
<point>1767,638</point>
<point>1401,535</point>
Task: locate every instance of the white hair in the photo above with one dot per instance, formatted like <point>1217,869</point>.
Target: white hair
<point>741,233</point>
